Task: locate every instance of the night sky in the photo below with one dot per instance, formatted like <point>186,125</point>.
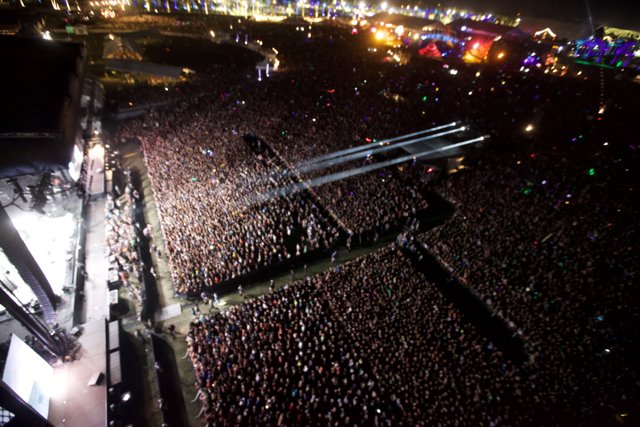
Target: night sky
<point>617,13</point>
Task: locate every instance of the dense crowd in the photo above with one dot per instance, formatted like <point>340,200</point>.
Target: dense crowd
<point>543,234</point>
<point>206,180</point>
<point>550,251</point>
<point>375,203</point>
<point>208,183</point>
<point>122,242</point>
<point>373,343</point>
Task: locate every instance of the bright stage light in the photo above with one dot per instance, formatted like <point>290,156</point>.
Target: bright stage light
<point>501,55</point>
<point>97,151</point>
<point>75,164</point>
<point>529,128</point>
<point>49,240</point>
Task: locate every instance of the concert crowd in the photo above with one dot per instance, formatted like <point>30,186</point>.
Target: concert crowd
<point>542,233</point>
<point>208,181</point>
<point>372,343</point>
<point>122,241</point>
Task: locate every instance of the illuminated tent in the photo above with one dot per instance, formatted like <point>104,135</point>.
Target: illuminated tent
<point>430,51</point>
<point>477,37</point>
<point>120,48</point>
<point>607,51</point>
<point>545,34</point>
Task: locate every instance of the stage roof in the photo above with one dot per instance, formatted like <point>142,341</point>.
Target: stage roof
<point>41,82</point>
<point>143,67</point>
<point>488,28</point>
<point>413,22</point>
<point>121,48</point>
<point>570,30</point>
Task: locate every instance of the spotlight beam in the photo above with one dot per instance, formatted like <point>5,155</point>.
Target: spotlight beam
<point>316,182</point>
<point>373,144</point>
<point>365,153</point>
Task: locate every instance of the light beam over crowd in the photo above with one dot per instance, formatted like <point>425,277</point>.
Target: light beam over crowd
<point>316,182</point>
<point>373,144</point>
<point>382,147</point>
